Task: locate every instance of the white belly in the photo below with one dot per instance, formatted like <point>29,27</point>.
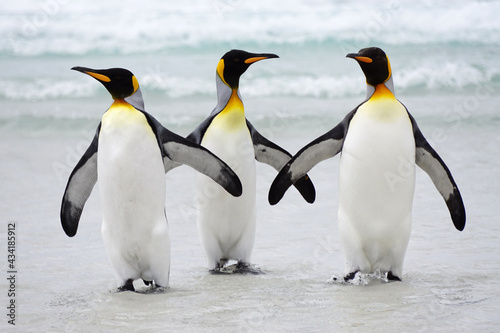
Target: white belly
<point>376,186</point>
<point>226,223</point>
<point>131,182</point>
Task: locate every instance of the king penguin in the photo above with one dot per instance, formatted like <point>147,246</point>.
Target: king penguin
<point>130,154</point>
<point>380,144</point>
<point>227,224</point>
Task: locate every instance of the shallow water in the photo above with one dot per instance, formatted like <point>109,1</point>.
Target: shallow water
<point>450,279</point>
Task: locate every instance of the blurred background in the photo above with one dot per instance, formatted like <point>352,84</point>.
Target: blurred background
<point>436,48</point>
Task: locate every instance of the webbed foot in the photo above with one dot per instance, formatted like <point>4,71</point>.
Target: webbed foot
<point>128,286</point>
<point>392,277</point>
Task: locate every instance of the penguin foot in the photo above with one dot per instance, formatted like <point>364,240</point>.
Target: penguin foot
<point>222,262</point>
<point>128,286</point>
<point>247,268</point>
<point>392,277</point>
<point>220,267</point>
<point>231,269</point>
<point>349,277</point>
<point>159,290</point>
<point>156,289</point>
<point>216,271</point>
<point>153,288</point>
<point>363,279</point>
<point>239,268</point>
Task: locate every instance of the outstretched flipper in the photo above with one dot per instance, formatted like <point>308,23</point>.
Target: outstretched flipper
<point>80,185</point>
<point>272,154</point>
<point>180,150</point>
<point>427,159</point>
<point>324,147</point>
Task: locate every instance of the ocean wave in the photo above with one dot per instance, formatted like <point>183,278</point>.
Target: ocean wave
<point>444,77</point>
<point>451,76</point>
<point>177,87</point>
<point>34,28</point>
<point>43,89</point>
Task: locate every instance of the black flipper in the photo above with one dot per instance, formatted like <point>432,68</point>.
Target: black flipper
<point>427,159</point>
<point>80,185</point>
<point>180,150</point>
<point>324,147</point>
<point>275,156</point>
<point>197,135</point>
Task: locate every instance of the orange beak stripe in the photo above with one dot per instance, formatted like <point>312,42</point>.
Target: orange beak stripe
<point>99,77</point>
<point>255,59</point>
<point>364,59</point>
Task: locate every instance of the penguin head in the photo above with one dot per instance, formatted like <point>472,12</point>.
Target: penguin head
<point>120,82</point>
<point>235,62</point>
<point>374,64</point>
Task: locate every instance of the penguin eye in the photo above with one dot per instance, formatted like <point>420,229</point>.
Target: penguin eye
<point>236,59</point>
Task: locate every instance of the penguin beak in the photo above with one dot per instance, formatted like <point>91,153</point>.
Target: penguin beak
<point>92,72</point>
<point>357,57</point>
<point>259,57</point>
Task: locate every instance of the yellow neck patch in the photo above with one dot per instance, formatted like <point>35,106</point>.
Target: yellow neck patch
<point>381,91</point>
<point>234,102</point>
<point>120,113</point>
<point>232,117</point>
<point>123,119</point>
<point>382,106</point>
<point>120,103</point>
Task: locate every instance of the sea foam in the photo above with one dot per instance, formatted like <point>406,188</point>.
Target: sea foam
<point>61,27</point>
